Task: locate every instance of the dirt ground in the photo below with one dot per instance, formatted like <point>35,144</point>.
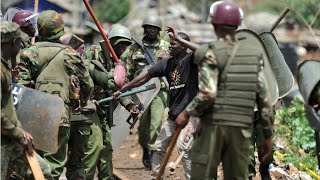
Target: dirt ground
<point>128,161</point>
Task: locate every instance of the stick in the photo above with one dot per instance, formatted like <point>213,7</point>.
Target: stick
<point>34,165</point>
<point>104,36</point>
<point>35,10</point>
<point>138,90</point>
<point>168,154</point>
<point>282,15</point>
<point>174,166</point>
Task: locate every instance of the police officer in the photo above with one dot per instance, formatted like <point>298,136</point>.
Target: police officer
<point>27,21</point>
<point>81,120</point>
<point>52,67</point>
<point>151,120</point>
<point>14,140</point>
<point>226,115</point>
<point>99,152</point>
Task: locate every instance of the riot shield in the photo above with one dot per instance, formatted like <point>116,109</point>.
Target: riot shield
<point>249,38</point>
<point>39,114</point>
<point>279,66</point>
<point>313,118</point>
<point>121,117</point>
<point>308,77</point>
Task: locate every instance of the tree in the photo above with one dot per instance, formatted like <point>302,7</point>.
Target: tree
<point>111,10</point>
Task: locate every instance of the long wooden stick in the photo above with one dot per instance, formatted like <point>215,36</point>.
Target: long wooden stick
<point>174,166</point>
<point>95,19</point>
<point>282,15</point>
<point>35,11</point>
<point>168,154</point>
<point>34,165</point>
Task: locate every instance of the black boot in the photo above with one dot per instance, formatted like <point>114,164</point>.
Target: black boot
<point>146,158</point>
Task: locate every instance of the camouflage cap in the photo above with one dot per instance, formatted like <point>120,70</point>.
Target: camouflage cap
<point>9,31</point>
<point>50,25</point>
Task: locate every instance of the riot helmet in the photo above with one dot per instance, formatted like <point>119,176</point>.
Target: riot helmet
<point>226,13</point>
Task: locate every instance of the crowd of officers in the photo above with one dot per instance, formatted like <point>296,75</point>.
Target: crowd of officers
<point>203,90</point>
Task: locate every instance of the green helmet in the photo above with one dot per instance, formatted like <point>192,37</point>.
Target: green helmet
<point>119,33</point>
<point>152,21</point>
<point>50,25</point>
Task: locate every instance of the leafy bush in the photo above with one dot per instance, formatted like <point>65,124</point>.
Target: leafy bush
<point>295,129</point>
<point>307,8</point>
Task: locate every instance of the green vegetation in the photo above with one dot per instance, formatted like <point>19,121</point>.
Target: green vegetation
<point>111,11</point>
<point>306,8</point>
<point>295,130</point>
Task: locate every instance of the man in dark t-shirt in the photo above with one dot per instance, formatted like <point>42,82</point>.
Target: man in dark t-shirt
<point>182,76</point>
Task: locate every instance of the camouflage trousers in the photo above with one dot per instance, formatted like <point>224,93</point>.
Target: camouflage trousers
<point>151,120</point>
<point>214,144</point>
<point>13,158</point>
<point>99,152</point>
<point>184,144</point>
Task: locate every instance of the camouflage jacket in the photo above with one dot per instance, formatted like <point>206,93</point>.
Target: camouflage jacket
<point>208,82</point>
<point>102,78</point>
<point>9,120</point>
<point>135,60</point>
<point>26,72</point>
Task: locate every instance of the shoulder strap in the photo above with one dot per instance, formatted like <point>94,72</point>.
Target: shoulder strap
<point>49,44</point>
<point>229,61</point>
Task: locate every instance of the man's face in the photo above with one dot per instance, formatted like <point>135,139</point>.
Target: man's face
<point>151,31</point>
<point>175,48</point>
<point>30,30</point>
<point>120,48</point>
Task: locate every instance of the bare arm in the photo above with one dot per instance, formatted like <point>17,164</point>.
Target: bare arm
<point>138,81</point>
<point>174,36</point>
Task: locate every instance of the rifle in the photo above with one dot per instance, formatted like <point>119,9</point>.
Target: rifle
<point>106,54</point>
<point>148,54</point>
<point>108,65</point>
<point>110,109</point>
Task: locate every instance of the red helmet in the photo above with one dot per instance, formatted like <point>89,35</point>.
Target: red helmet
<point>24,18</point>
<point>226,13</point>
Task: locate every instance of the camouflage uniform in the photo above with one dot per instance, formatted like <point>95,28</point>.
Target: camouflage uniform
<point>151,120</point>
<point>99,152</point>
<point>27,71</point>
<point>12,152</point>
<point>225,135</point>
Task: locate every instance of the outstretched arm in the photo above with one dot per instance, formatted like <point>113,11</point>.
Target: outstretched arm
<point>174,36</point>
<point>138,81</point>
